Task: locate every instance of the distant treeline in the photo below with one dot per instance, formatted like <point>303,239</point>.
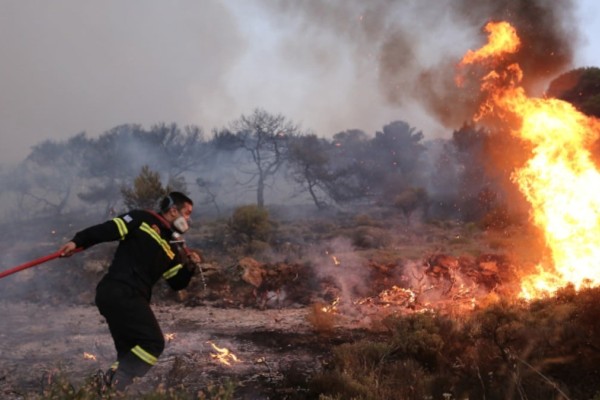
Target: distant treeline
<point>264,158</point>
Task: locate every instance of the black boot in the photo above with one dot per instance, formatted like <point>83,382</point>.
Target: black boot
<point>129,367</point>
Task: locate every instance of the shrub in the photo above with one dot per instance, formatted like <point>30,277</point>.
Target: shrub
<point>369,370</point>
<point>249,223</point>
<point>57,386</point>
<point>366,237</point>
<point>417,337</point>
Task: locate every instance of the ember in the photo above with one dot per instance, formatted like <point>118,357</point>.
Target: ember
<point>559,180</point>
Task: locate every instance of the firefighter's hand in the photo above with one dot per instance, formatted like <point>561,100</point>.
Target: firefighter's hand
<point>195,257</point>
<point>67,249</point>
<point>193,261</point>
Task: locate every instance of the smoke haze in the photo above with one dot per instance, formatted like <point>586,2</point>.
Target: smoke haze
<point>71,66</point>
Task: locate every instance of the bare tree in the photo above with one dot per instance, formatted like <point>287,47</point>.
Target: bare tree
<point>208,189</point>
<point>119,154</point>
<point>265,137</point>
<point>177,151</point>
<point>110,164</point>
<point>49,174</point>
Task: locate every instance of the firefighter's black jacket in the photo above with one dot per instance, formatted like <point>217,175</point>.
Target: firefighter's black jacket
<point>144,254</point>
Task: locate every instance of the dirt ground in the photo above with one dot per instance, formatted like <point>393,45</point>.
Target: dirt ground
<point>50,327</point>
<point>276,350</point>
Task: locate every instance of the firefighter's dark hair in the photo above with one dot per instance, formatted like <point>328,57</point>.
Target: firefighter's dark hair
<point>174,199</point>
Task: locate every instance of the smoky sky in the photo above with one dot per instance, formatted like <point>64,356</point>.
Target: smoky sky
<point>416,45</point>
<point>71,66</point>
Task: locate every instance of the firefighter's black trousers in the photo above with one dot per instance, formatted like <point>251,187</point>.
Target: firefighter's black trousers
<point>138,338</point>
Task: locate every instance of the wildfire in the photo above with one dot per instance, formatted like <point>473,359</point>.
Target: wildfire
<point>223,355</point>
<point>559,180</point>
<point>89,356</point>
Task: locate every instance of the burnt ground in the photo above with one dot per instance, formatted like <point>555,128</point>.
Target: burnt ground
<point>277,350</point>
<point>263,312</point>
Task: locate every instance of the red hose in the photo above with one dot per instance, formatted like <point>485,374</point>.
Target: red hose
<point>33,263</point>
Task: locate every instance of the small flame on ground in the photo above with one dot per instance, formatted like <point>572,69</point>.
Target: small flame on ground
<point>169,337</point>
<point>335,260</point>
<point>89,356</point>
<point>223,355</point>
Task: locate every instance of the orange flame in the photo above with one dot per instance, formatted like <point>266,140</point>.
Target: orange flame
<point>560,180</point>
<point>169,337</point>
<point>333,307</point>
<point>223,355</point>
<point>89,356</point>
<point>502,39</point>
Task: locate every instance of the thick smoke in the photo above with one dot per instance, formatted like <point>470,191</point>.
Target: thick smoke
<point>415,46</point>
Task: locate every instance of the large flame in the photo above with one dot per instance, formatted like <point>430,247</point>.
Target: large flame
<point>559,180</point>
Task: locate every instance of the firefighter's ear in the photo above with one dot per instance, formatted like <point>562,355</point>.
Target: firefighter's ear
<point>174,212</point>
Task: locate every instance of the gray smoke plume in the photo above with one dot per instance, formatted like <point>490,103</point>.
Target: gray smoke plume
<point>416,45</point>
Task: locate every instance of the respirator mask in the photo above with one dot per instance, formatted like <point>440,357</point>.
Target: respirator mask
<point>180,224</point>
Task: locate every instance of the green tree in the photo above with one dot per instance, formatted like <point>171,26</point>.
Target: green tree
<point>308,160</point>
<point>396,166</point>
<point>146,191</point>
<point>377,168</point>
<point>346,171</point>
<point>580,87</point>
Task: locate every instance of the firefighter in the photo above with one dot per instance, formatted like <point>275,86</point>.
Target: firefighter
<point>150,247</point>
